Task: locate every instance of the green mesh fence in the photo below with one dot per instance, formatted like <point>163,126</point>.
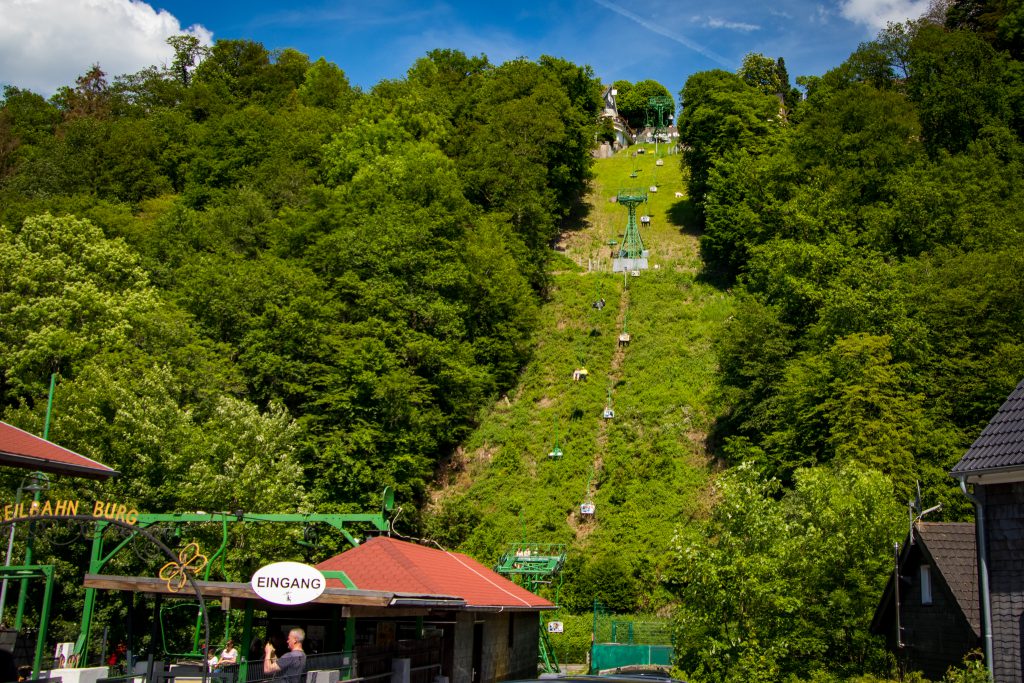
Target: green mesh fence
<point>622,642</point>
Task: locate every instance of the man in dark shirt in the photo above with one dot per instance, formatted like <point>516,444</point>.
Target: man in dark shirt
<point>289,668</point>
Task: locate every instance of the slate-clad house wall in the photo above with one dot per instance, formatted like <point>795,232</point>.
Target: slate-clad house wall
<point>1004,531</point>
<point>994,464</point>
<point>941,622</point>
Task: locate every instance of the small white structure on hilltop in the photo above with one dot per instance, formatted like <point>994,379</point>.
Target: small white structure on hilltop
<point>623,135</point>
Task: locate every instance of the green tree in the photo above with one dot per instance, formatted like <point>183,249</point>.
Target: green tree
<point>784,584</point>
<point>960,85</point>
<point>67,293</point>
<point>721,112</point>
<point>188,52</point>
<point>762,73</point>
<point>633,101</point>
<point>326,86</point>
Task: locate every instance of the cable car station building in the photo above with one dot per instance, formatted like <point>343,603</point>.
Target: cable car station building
<point>393,611</point>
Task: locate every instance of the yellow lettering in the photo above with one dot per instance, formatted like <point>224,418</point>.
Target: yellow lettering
<point>33,510</point>
<point>97,509</point>
<point>47,509</point>
<point>7,512</point>
<point>121,509</point>
<point>109,510</point>
<point>61,508</point>
<point>132,517</point>
<point>72,507</point>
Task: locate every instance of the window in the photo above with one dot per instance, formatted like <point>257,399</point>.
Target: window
<point>926,585</point>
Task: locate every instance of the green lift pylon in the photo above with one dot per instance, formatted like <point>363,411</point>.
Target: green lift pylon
<point>632,255</point>
<point>659,105</point>
<point>533,565</point>
<point>656,108</point>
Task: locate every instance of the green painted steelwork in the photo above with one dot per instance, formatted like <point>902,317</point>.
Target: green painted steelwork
<point>340,576</point>
<point>536,565</point>
<point>556,451</point>
<point>243,666</point>
<point>536,562</point>
<point>35,571</point>
<point>548,659</point>
<point>632,244</point>
<point>99,556</point>
<point>659,105</point>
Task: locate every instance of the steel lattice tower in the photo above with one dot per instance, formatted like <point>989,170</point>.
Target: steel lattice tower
<point>660,105</point>
<point>632,244</point>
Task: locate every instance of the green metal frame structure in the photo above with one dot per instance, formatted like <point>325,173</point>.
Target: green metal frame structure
<point>659,105</point>
<point>536,565</point>
<point>26,572</point>
<point>632,244</point>
<point>35,571</point>
<point>100,556</point>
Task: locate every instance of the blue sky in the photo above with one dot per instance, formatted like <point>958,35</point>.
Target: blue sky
<point>47,43</point>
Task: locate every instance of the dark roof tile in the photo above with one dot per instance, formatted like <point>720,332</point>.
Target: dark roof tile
<point>952,548</point>
<point>1001,444</point>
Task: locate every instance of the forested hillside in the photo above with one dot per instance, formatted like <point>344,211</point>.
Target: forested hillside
<point>865,239</point>
<point>263,289</point>
<point>871,233</point>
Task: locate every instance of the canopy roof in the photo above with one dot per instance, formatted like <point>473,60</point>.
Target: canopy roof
<point>388,564</point>
<point>18,448</point>
<point>243,591</point>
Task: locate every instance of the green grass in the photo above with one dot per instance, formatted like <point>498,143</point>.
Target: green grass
<point>647,469</point>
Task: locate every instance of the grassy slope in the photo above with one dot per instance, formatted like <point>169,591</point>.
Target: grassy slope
<point>646,469</point>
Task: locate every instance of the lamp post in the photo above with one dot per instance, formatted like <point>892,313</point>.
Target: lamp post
<point>10,551</point>
<point>39,483</point>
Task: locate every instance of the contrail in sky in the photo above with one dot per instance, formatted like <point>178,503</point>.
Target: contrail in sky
<point>662,32</point>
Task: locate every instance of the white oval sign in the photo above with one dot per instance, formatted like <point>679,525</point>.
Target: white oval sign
<point>288,583</point>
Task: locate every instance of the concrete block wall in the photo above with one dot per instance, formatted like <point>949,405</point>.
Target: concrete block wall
<point>508,649</point>
<point>510,654</point>
<point>462,661</point>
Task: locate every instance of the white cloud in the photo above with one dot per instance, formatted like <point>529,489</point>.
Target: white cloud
<point>715,22</point>
<point>877,13</point>
<point>45,44</point>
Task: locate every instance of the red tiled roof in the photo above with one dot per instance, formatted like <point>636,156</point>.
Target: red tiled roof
<point>20,449</point>
<point>387,564</point>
